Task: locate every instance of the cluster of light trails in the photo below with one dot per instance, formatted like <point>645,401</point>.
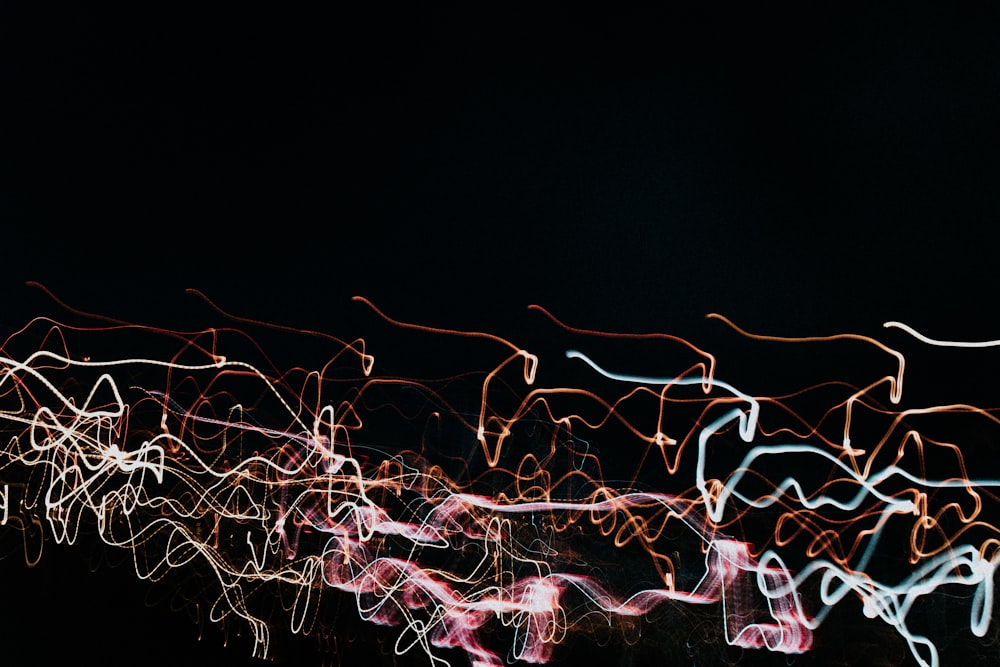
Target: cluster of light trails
<point>496,510</point>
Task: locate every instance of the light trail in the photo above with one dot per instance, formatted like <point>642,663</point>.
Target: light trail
<point>493,528</point>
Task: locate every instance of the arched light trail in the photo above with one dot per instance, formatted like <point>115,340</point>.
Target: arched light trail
<point>493,529</point>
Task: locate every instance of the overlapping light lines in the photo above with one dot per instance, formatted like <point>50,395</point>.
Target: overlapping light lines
<point>476,511</point>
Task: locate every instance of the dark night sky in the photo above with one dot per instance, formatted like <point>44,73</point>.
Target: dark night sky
<point>800,171</point>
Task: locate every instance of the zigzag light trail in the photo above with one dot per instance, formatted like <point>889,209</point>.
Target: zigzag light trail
<point>339,480</point>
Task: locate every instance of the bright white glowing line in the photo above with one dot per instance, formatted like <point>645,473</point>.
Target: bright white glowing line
<point>78,450</point>
<point>940,343</point>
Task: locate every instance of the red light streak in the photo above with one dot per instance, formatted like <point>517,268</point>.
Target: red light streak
<point>449,523</point>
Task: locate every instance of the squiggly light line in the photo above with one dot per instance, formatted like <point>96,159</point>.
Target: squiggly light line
<point>347,482</point>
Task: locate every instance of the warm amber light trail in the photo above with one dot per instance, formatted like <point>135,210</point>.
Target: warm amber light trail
<point>450,508</point>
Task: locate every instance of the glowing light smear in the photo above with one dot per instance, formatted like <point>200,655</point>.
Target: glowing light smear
<point>465,508</point>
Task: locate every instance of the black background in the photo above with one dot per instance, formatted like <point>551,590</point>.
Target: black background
<point>804,172</point>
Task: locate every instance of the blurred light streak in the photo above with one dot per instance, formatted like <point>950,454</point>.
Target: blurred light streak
<point>335,479</point>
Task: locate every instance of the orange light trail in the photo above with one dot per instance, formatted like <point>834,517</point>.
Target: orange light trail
<point>455,509</point>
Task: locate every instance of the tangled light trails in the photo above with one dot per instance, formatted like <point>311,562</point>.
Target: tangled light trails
<point>478,511</point>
